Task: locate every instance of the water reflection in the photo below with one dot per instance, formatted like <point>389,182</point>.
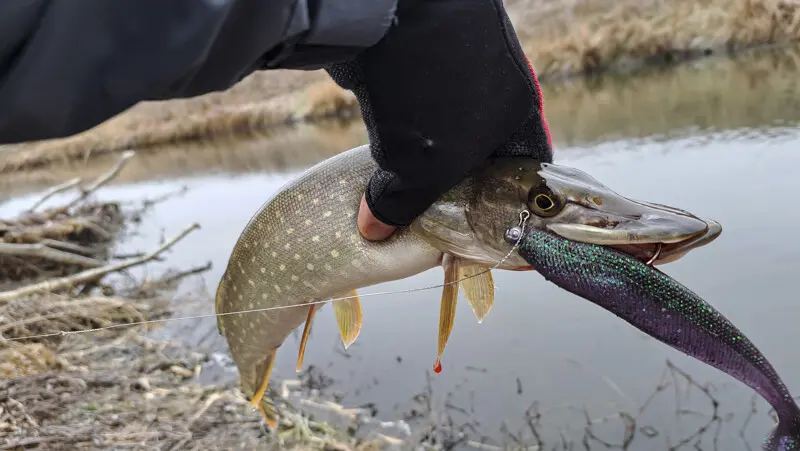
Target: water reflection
<point>755,90</point>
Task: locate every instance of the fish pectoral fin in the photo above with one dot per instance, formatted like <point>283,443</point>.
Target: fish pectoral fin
<point>262,402</point>
<point>478,286</point>
<point>447,312</point>
<point>348,317</point>
<point>312,309</point>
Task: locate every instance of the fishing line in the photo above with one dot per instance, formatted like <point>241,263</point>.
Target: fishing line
<point>523,219</point>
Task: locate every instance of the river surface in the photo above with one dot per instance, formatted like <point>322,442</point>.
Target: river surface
<point>732,157</point>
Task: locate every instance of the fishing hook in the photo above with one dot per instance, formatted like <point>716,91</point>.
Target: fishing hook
<point>515,233</point>
<point>656,255</point>
<point>523,217</point>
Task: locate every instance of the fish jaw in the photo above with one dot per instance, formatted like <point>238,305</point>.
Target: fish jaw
<point>671,252</point>
<point>569,203</point>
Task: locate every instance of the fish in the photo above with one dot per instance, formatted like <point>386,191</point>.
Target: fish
<point>303,246</point>
<point>664,309</point>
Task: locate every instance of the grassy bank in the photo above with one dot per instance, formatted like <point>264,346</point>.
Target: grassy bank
<point>589,36</point>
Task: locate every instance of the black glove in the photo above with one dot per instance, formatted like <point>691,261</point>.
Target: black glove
<point>446,88</point>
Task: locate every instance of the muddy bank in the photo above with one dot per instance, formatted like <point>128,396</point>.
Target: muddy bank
<point>562,39</point>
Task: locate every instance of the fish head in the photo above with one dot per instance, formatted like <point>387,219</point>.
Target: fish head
<point>563,200</point>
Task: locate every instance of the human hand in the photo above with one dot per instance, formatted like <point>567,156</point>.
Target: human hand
<point>446,88</point>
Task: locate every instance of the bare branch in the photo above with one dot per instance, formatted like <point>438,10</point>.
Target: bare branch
<point>92,274</point>
<point>55,190</point>
<point>105,178</point>
<point>42,251</point>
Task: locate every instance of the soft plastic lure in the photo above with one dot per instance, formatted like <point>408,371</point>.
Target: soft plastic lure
<point>661,307</point>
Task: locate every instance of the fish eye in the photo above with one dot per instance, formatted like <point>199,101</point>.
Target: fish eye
<point>543,202</point>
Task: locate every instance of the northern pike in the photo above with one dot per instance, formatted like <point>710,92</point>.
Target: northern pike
<point>303,246</point>
<point>664,309</point>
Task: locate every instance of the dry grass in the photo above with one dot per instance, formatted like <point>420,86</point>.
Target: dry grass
<point>579,37</point>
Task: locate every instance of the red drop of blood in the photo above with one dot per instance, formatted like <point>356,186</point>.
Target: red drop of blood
<point>437,367</point>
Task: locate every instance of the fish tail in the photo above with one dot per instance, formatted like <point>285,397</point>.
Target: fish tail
<point>785,436</point>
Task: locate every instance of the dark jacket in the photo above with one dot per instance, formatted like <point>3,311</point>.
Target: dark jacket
<point>66,66</point>
<point>442,84</point>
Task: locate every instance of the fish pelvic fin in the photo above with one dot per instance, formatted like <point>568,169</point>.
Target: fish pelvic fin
<point>478,286</point>
<point>312,309</point>
<point>258,386</point>
<point>348,317</point>
<point>447,312</point>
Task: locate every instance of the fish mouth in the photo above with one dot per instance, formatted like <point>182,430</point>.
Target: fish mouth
<point>649,237</point>
<point>654,233</point>
<point>661,253</point>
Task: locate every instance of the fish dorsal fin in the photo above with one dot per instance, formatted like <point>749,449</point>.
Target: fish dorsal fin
<point>447,312</point>
<point>348,317</point>
<point>478,286</point>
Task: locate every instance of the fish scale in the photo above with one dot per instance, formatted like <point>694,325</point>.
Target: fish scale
<point>666,310</point>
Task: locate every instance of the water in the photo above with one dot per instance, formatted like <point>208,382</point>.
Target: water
<point>540,343</point>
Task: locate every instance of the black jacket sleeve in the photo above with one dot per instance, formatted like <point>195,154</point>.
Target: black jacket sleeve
<point>66,66</point>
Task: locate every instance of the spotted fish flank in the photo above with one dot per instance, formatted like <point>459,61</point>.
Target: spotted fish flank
<point>303,246</point>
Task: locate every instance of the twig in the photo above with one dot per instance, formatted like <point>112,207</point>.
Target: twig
<point>42,251</point>
<point>92,274</point>
<point>184,274</point>
<point>606,380</point>
<point>214,397</point>
<point>53,191</point>
<point>105,178</point>
<point>71,247</point>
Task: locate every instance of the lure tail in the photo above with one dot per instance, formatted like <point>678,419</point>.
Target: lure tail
<point>785,436</point>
